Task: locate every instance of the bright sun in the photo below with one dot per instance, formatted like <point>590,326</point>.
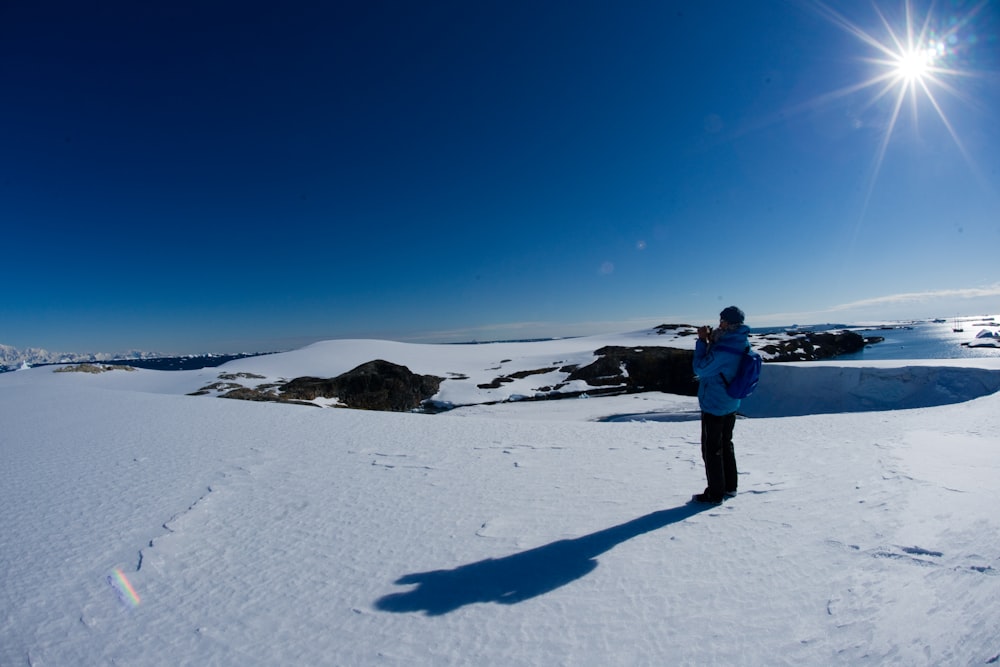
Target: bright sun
<point>915,64</point>
<point>915,58</point>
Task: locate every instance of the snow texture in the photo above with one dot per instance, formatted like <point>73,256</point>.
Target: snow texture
<point>142,526</point>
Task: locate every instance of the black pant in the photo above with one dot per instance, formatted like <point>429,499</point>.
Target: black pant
<point>718,454</point>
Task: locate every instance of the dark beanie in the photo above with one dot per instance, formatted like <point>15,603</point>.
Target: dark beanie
<point>732,315</point>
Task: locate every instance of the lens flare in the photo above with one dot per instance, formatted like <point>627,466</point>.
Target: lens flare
<point>124,588</point>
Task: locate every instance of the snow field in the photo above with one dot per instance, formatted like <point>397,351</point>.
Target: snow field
<point>514,534</point>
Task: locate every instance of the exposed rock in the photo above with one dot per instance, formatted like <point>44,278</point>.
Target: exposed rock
<point>238,376</point>
<point>248,394</point>
<point>678,329</point>
<point>495,383</point>
<point>607,370</point>
<point>91,368</point>
<point>641,369</point>
<point>375,385</point>
<point>217,388</point>
<point>519,375</point>
<point>809,345</point>
<point>228,387</point>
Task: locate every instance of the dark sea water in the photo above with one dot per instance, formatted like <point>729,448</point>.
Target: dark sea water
<point>926,340</point>
<point>182,363</point>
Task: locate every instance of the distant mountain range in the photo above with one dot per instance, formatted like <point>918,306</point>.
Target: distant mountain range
<point>12,357</point>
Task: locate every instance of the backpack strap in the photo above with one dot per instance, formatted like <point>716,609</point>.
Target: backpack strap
<point>731,350</point>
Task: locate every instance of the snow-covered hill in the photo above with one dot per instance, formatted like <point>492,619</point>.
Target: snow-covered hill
<point>143,526</point>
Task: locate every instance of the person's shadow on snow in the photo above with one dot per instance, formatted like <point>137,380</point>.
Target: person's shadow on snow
<point>524,575</point>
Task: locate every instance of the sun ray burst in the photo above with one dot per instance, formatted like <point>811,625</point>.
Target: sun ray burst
<point>915,60</point>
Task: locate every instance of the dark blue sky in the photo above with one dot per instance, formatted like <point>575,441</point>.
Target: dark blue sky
<point>224,176</point>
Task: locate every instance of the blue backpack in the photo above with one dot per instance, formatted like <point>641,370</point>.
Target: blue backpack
<point>747,375</point>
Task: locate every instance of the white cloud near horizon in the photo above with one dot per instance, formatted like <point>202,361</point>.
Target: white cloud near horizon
<point>916,297</point>
<point>853,309</point>
<point>889,301</point>
<point>544,329</point>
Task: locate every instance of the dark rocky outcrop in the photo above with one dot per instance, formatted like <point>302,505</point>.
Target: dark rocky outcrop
<point>641,369</point>
<point>519,375</point>
<point>495,383</point>
<point>810,345</point>
<point>677,329</point>
<point>375,385</point>
<point>91,368</point>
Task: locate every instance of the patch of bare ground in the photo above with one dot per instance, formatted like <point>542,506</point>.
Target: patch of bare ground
<point>92,368</point>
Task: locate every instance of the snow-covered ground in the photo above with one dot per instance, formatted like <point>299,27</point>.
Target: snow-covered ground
<point>142,526</point>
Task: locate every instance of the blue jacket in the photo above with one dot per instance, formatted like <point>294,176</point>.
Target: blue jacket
<point>708,363</point>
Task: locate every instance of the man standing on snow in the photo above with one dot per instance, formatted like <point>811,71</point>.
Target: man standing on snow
<point>714,369</point>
